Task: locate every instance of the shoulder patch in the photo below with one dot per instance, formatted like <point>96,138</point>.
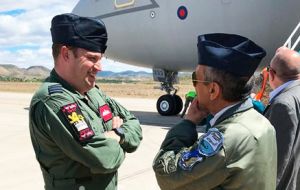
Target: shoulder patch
<point>189,158</point>
<point>56,88</point>
<point>82,130</point>
<point>211,142</point>
<point>208,145</point>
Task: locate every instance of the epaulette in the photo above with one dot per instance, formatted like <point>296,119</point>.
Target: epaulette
<point>56,88</point>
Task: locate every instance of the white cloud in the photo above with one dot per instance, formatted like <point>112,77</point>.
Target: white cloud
<point>25,38</point>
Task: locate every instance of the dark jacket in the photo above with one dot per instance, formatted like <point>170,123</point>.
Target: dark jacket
<point>284,114</point>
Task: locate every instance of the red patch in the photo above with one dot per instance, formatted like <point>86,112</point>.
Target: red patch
<point>69,108</point>
<point>105,113</point>
<point>86,134</point>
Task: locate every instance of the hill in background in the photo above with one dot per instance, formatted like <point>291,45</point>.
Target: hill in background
<point>8,71</point>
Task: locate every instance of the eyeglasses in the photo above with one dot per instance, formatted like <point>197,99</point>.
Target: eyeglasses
<point>202,81</point>
<point>195,81</point>
<point>269,68</point>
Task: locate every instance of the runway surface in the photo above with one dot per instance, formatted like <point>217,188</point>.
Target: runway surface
<point>20,170</point>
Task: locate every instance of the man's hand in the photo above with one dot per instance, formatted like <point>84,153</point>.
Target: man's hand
<point>116,122</point>
<point>196,112</point>
<point>112,135</point>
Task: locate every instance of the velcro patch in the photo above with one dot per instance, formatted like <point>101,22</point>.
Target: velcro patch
<point>211,142</point>
<point>208,145</point>
<point>105,113</point>
<point>56,88</point>
<point>74,115</point>
<point>188,159</point>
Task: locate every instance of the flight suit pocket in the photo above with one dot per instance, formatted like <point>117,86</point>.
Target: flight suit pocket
<point>62,184</point>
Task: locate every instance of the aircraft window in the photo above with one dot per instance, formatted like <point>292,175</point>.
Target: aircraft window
<point>123,4</point>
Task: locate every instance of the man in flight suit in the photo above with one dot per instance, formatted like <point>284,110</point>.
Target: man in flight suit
<point>79,134</point>
<point>239,149</point>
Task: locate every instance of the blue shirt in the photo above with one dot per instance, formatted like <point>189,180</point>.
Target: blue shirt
<point>277,90</point>
<point>217,115</point>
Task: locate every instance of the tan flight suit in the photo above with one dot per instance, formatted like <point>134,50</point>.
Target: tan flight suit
<point>246,161</point>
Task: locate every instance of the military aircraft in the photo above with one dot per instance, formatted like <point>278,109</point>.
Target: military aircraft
<point>162,34</point>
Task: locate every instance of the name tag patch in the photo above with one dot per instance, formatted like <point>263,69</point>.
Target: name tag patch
<point>211,142</point>
<point>75,117</point>
<point>105,113</point>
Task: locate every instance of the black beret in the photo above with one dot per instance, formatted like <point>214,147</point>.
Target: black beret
<point>229,52</point>
<point>82,32</point>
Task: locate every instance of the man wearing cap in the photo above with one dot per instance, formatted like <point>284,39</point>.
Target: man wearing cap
<point>239,149</point>
<point>80,135</point>
<point>283,112</point>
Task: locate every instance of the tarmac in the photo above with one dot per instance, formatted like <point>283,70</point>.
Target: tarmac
<point>20,170</point>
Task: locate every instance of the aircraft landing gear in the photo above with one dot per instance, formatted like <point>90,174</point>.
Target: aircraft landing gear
<point>169,104</point>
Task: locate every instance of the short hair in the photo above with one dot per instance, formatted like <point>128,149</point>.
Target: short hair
<point>286,70</point>
<point>233,88</point>
<point>56,50</point>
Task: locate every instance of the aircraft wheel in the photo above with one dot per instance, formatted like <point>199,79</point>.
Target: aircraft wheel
<point>178,104</point>
<point>165,105</point>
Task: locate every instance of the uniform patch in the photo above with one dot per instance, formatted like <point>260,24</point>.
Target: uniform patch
<point>74,115</point>
<point>56,88</point>
<point>211,142</point>
<point>105,113</point>
<point>188,159</point>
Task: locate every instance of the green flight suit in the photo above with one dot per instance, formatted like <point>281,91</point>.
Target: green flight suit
<point>246,161</point>
<point>70,163</point>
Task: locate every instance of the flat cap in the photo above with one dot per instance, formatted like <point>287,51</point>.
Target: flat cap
<point>230,52</point>
<point>82,32</point>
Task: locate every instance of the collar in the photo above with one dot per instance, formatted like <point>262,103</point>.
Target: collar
<point>277,90</point>
<point>217,115</point>
<point>54,77</point>
<point>233,109</point>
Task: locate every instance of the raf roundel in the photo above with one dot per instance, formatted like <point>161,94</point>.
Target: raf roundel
<point>182,12</point>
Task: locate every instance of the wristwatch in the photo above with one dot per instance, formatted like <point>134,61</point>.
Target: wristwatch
<point>120,132</point>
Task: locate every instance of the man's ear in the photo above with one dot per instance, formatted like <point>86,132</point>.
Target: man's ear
<point>214,90</point>
<point>64,53</point>
<point>271,75</point>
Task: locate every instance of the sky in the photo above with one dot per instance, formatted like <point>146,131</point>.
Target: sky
<point>25,38</point>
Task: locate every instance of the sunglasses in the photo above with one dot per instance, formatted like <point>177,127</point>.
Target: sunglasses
<point>195,81</point>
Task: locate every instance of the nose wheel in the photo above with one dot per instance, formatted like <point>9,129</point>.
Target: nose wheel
<point>169,105</point>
